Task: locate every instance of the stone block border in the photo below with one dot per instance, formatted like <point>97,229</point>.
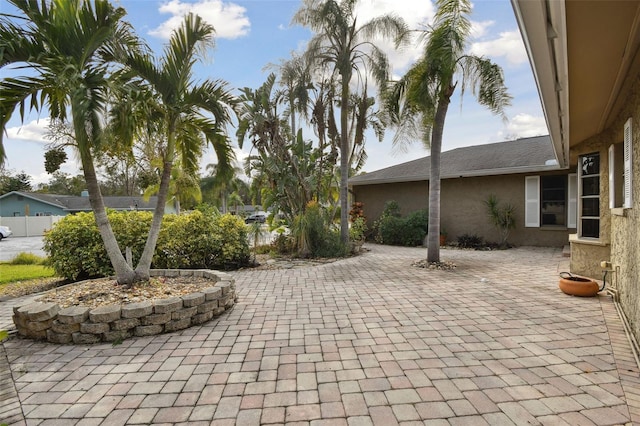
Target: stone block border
<point>111,323</point>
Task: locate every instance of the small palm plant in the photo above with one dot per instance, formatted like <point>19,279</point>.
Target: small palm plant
<point>502,217</point>
<point>256,232</point>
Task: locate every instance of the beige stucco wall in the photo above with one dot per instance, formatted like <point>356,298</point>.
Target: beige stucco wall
<point>625,235</point>
<point>462,207</point>
<point>619,228</point>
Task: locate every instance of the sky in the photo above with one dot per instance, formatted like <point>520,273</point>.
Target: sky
<point>252,34</point>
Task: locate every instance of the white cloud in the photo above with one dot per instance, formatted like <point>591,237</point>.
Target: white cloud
<point>34,131</point>
<point>508,45</point>
<point>479,28</point>
<point>228,19</point>
<point>524,126</point>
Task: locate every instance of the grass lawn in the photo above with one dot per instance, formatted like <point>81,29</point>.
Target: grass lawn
<point>12,273</point>
<point>20,280</point>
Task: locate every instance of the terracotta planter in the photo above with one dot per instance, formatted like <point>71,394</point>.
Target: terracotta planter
<point>443,240</point>
<point>578,286</point>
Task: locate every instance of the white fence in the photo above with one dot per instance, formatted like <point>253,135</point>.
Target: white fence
<point>29,226</point>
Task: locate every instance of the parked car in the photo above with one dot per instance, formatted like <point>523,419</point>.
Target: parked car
<point>5,232</point>
<point>256,217</point>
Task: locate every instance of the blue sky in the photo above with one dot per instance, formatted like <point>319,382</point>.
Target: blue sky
<point>251,34</point>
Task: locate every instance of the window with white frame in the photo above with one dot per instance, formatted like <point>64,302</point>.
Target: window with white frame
<point>589,188</point>
<point>550,201</point>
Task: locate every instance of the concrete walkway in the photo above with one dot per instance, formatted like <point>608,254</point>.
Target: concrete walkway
<point>369,340</point>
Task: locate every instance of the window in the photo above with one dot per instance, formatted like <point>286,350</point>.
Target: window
<point>553,200</point>
<point>550,201</point>
<point>589,181</point>
<point>43,214</point>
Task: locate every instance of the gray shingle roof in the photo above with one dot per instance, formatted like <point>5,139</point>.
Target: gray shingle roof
<point>524,155</point>
<point>73,203</point>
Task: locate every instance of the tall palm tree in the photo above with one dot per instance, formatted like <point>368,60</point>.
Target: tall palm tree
<point>418,103</point>
<point>345,44</point>
<point>295,79</point>
<point>189,114</point>
<point>69,46</point>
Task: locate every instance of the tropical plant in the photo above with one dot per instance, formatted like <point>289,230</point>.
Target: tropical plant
<point>470,241</point>
<point>344,45</point>
<point>281,162</point>
<point>67,49</point>
<point>502,216</point>
<point>256,232</point>
<point>169,102</point>
<point>418,103</point>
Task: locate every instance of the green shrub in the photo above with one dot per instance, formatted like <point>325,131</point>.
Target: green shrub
<point>314,234</point>
<point>27,259</point>
<point>283,244</point>
<point>358,229</point>
<point>403,231</point>
<point>199,240</point>
<point>195,240</point>
<point>470,241</point>
<point>76,250</point>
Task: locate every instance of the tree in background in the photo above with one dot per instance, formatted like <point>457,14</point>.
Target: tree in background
<point>64,184</point>
<point>418,103</point>
<point>217,187</point>
<point>14,182</point>
<point>345,46</point>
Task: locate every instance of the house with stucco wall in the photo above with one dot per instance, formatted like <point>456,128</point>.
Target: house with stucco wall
<point>586,63</point>
<point>522,172</point>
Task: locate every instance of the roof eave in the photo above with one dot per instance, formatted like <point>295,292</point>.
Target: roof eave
<point>542,24</point>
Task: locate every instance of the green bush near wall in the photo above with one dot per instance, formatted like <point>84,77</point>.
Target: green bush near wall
<point>189,241</point>
<point>403,231</point>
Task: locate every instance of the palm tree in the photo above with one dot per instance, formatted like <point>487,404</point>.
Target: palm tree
<point>189,114</point>
<point>222,183</point>
<point>346,45</point>
<point>70,46</point>
<point>418,103</point>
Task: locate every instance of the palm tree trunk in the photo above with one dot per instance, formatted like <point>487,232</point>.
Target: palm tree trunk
<point>344,161</point>
<point>144,264</point>
<point>124,272</point>
<point>433,237</point>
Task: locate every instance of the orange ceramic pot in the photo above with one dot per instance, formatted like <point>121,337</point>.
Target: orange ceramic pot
<point>578,286</point>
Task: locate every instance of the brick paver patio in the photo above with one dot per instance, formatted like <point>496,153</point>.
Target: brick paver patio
<point>369,340</point>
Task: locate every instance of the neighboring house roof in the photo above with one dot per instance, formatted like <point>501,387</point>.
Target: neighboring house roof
<point>524,155</point>
<point>73,203</point>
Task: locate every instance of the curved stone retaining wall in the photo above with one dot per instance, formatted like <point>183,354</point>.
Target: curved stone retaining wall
<point>81,325</point>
